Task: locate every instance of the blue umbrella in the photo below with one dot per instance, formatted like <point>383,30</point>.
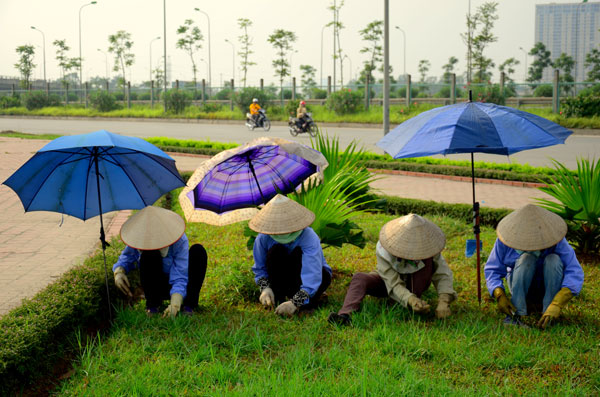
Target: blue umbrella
<point>89,174</point>
<point>472,127</point>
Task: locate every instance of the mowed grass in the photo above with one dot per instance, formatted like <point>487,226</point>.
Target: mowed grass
<point>235,347</point>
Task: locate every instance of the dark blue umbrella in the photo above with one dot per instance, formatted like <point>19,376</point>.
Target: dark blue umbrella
<point>472,127</point>
<point>90,174</point>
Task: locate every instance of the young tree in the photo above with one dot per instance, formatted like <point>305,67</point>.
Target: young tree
<point>66,64</point>
<point>337,48</point>
<point>120,45</point>
<point>25,65</point>
<point>282,42</point>
<point>308,78</point>
<point>448,69</point>
<point>541,62</point>
<point>246,42</point>
<point>468,40</point>
<point>159,77</point>
<point>424,66</point>
<point>565,64</point>
<point>190,41</point>
<point>486,16</point>
<point>508,68</point>
<point>372,35</point>
<point>592,61</point>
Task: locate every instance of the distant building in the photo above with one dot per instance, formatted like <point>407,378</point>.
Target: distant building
<point>570,28</point>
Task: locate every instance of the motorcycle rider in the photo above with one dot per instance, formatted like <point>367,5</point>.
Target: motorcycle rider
<point>254,108</point>
<point>301,116</point>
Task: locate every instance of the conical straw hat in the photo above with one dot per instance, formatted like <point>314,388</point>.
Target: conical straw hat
<point>152,228</point>
<point>412,237</point>
<point>531,228</point>
<point>280,216</point>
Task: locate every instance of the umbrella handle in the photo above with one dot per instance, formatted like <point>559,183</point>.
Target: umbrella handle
<point>476,231</point>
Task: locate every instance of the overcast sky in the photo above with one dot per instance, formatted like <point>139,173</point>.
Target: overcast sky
<point>432,29</point>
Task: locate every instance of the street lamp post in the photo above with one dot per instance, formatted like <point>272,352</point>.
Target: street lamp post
<point>209,62</point>
<point>233,59</point>
<point>105,63</point>
<point>44,50</point>
<point>152,41</point>
<point>525,52</point>
<point>321,69</point>
<point>80,58</point>
<point>165,54</point>
<point>404,48</point>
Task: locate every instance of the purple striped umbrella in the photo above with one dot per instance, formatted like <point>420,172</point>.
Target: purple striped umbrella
<point>245,177</point>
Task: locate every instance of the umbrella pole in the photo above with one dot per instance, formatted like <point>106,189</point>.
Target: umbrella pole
<point>102,235</point>
<point>255,178</point>
<point>476,230</point>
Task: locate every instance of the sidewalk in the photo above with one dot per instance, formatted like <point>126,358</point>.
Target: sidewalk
<point>36,249</point>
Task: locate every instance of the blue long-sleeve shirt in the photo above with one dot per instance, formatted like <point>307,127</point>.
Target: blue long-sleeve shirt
<point>313,260</point>
<point>175,264</point>
<point>502,261</point>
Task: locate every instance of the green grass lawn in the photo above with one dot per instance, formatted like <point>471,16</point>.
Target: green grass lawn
<point>235,347</point>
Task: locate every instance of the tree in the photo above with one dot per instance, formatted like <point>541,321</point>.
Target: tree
<point>66,64</point>
<point>190,41</point>
<point>246,42</point>
<point>468,40</point>
<point>448,69</point>
<point>485,16</point>
<point>308,78</point>
<point>159,77</point>
<point>120,45</point>
<point>508,68</point>
<point>372,35</point>
<point>541,62</point>
<point>25,65</point>
<point>565,64</point>
<point>424,66</point>
<point>282,42</point>
<point>337,26</point>
<point>592,61</point>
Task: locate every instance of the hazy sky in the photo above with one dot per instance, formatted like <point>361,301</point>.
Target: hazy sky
<point>432,29</point>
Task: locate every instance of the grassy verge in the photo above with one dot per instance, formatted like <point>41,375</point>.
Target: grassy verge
<point>234,347</point>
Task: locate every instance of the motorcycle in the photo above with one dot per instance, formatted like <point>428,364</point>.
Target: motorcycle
<point>297,126</point>
<point>262,121</point>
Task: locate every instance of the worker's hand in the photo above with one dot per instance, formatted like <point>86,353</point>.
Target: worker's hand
<point>174,306</point>
<point>418,305</point>
<point>443,308</point>
<point>286,309</point>
<point>122,282</point>
<point>504,304</point>
<point>267,297</point>
<point>555,307</point>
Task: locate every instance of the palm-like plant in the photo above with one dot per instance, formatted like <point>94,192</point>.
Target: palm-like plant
<point>579,202</point>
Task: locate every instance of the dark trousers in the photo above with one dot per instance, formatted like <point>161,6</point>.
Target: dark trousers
<point>156,283</point>
<point>372,284</point>
<point>284,269</point>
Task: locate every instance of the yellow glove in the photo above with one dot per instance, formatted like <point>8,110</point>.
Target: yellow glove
<point>267,297</point>
<point>286,309</point>
<point>443,308</point>
<point>559,302</point>
<point>122,282</point>
<point>418,305</point>
<point>174,307</point>
<point>504,305</point>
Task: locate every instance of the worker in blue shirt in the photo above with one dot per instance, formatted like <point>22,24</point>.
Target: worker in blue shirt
<point>158,246</point>
<point>539,265</point>
<point>289,265</point>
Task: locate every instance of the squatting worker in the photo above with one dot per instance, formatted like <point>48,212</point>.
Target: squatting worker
<point>158,246</point>
<point>540,267</point>
<point>289,265</point>
<point>409,259</point>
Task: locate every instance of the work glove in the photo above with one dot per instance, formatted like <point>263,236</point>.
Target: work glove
<point>175,306</point>
<point>443,308</point>
<point>553,311</point>
<point>267,298</point>
<point>286,309</point>
<point>122,282</point>
<point>504,304</point>
<point>418,305</point>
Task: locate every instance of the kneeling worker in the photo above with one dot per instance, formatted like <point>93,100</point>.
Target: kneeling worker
<point>157,245</point>
<point>409,259</point>
<point>289,264</point>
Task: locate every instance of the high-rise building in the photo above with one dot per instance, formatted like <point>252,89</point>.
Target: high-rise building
<point>572,28</point>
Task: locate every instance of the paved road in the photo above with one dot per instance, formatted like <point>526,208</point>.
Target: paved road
<point>576,145</point>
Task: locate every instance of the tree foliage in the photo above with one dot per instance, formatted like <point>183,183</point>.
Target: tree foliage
<point>65,63</point>
<point>449,69</point>
<point>337,26</point>
<point>25,65</point>
<point>282,41</point>
<point>485,16</point>
<point>372,35</point>
<point>246,42</point>
<point>541,62</point>
<point>508,68</point>
<point>592,61</point>
<point>565,64</point>
<point>121,46</point>
<point>424,66</point>
<point>190,40</point>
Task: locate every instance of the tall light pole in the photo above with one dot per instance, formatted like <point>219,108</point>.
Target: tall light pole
<point>386,66</point>
<point>209,62</point>
<point>321,69</point>
<point>80,58</point>
<point>165,53</point>
<point>152,41</point>
<point>524,52</point>
<point>105,63</point>
<point>233,59</point>
<point>404,48</point>
<point>44,50</point>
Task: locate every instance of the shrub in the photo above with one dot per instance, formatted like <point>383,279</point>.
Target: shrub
<point>39,99</point>
<point>345,101</point>
<point>223,94</point>
<point>103,101</point>
<point>119,96</point>
<point>543,90</point>
<point>317,93</point>
<point>444,92</point>
<point>9,102</point>
<point>177,101</point>
<point>287,94</point>
<point>581,106</point>
<point>291,106</point>
<point>487,93</point>
<point>145,96</point>
<point>211,107</point>
<point>593,90</point>
<point>243,98</point>
<point>133,96</point>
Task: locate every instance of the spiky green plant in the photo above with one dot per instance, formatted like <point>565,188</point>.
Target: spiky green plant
<point>579,202</point>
